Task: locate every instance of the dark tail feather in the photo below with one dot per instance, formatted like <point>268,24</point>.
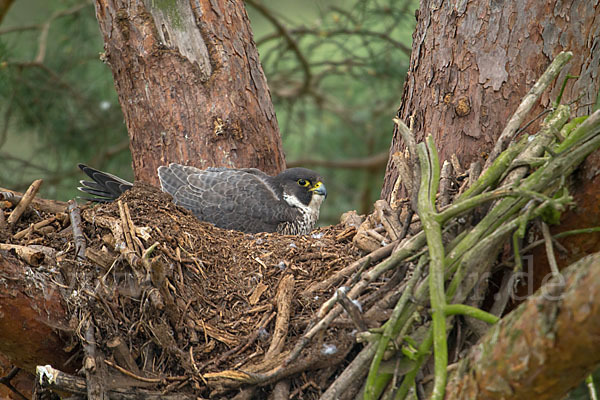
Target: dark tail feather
<point>105,187</point>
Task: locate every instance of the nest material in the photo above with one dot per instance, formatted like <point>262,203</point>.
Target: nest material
<point>186,305</point>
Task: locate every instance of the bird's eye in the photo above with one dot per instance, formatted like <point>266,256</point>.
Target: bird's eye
<point>303,182</point>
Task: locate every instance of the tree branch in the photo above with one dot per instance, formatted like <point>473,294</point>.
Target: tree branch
<point>543,348</point>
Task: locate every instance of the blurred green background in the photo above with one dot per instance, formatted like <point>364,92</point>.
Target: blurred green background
<point>59,107</point>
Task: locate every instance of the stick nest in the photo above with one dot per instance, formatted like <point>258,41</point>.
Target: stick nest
<point>202,300</point>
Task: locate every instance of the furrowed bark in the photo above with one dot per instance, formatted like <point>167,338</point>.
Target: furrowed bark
<point>190,85</point>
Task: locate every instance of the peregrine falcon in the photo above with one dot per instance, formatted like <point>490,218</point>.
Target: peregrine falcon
<point>246,200</point>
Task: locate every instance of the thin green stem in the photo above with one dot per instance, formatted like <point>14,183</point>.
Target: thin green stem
<point>589,381</point>
<point>409,379</point>
<point>430,175</point>
<point>391,328</point>
<point>491,175</point>
<point>475,201</point>
<point>463,309</point>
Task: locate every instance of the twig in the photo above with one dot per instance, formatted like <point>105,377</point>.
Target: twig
<point>458,169</point>
<point>589,381</point>
<point>389,219</point>
<point>25,201</point>
<point>378,237</point>
<point>326,315</point>
<point>409,141</point>
<point>50,206</point>
<point>5,380</point>
<point>78,237</point>
<point>122,354</point>
<point>126,227</point>
<point>284,297</point>
<point>357,368</point>
<point>349,270</point>
<point>289,39</point>
<point>407,221</point>
<point>445,184</point>
<point>30,255</point>
<point>550,249</point>
<point>53,378</point>
<point>32,228</point>
<point>352,309</point>
<point>392,326</point>
<point>93,370</point>
<point>474,312</point>
<point>132,375</point>
<point>430,174</point>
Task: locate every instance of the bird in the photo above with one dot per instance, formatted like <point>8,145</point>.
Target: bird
<point>245,199</point>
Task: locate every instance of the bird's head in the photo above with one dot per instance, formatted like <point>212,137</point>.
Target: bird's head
<point>302,188</point>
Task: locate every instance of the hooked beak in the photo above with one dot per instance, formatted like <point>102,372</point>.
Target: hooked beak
<point>319,188</point>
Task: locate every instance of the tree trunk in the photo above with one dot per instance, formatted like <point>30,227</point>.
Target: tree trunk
<point>190,85</point>
<point>471,65</point>
<point>472,62</point>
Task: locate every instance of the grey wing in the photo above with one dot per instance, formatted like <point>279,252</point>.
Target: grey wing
<point>229,198</point>
<point>174,176</point>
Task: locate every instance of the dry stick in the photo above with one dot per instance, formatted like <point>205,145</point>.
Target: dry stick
<point>131,374</point>
<point>63,382</point>
<point>285,294</point>
<point>132,230</point>
<point>32,228</point>
<point>30,255</point>
<point>122,354</point>
<point>5,380</point>
<point>407,249</point>
<point>550,250</point>
<point>445,184</point>
<point>407,221</point>
<point>284,297</point>
<point>78,237</point>
<point>49,206</point>
<point>411,145</point>
<point>474,173</point>
<point>456,164</point>
<point>377,236</point>
<point>528,102</point>
<point>356,370</point>
<point>2,218</point>
<point>389,219</point>
<point>93,370</point>
<point>125,225</point>
<point>266,319</point>
<point>25,201</point>
<point>352,309</point>
<point>374,256</point>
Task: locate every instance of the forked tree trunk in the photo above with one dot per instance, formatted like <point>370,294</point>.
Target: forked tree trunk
<point>472,63</point>
<point>190,84</point>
